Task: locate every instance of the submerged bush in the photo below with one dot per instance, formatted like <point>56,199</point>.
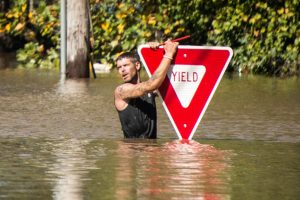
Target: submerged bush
<point>34,31</point>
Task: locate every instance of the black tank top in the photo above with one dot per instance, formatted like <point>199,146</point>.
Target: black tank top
<point>138,119</point>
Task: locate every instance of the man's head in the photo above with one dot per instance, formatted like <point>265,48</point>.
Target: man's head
<point>128,66</point>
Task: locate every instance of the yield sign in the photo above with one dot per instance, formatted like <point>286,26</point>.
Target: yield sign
<point>190,83</point>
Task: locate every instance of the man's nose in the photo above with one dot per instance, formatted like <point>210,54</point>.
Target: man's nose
<point>122,69</point>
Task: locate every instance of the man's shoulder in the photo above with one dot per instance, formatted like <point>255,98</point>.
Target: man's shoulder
<point>121,88</point>
<point>120,102</point>
<point>124,85</point>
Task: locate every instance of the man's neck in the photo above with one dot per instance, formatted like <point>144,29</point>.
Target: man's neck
<point>136,79</point>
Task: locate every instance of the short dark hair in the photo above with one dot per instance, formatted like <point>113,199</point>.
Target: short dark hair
<point>133,56</point>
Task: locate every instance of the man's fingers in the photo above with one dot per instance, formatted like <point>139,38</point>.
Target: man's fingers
<point>153,45</point>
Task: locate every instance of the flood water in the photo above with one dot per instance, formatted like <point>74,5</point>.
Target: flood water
<point>62,140</point>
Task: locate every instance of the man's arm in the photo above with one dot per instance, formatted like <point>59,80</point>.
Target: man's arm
<point>128,90</point>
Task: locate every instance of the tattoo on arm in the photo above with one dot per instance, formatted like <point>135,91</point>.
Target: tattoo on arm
<point>125,92</point>
<point>141,89</point>
<point>134,90</point>
<point>120,90</point>
<point>155,75</point>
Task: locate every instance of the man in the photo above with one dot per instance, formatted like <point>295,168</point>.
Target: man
<point>134,99</point>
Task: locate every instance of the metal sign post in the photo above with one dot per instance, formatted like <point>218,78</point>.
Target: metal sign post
<point>63,42</point>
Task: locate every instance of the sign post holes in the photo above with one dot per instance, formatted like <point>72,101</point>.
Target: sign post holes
<point>190,83</point>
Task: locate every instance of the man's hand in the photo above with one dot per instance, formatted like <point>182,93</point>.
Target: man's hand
<point>170,48</point>
<point>153,45</point>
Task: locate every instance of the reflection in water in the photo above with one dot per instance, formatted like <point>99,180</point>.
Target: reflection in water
<point>197,170</point>
<point>176,170</point>
<point>72,87</point>
<point>70,169</point>
<point>107,169</point>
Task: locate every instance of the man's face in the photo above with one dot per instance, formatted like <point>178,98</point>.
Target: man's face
<point>128,70</point>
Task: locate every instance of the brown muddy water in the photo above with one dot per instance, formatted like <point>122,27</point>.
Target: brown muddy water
<point>62,140</point>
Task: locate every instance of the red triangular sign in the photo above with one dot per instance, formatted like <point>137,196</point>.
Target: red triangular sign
<point>190,84</point>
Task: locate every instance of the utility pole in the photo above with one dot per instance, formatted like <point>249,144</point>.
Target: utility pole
<point>77,64</point>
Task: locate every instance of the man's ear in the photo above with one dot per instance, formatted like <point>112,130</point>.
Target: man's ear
<point>138,65</point>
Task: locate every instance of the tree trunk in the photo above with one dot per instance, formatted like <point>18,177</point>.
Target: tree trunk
<point>77,37</point>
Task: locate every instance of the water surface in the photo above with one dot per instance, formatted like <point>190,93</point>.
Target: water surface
<point>62,140</point>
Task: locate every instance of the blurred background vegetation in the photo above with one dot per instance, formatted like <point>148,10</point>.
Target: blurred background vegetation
<point>264,35</point>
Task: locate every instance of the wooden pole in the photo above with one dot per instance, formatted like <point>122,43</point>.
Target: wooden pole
<point>77,31</point>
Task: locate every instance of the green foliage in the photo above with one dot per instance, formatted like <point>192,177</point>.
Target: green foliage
<point>38,28</point>
<point>31,56</point>
<point>264,35</point>
<point>14,21</point>
<point>120,26</point>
